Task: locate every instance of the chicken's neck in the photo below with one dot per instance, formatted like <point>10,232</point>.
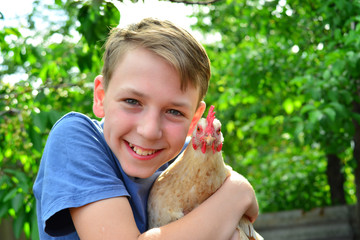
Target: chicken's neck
<point>195,165</point>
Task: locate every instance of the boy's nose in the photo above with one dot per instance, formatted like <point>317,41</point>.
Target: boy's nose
<point>150,126</point>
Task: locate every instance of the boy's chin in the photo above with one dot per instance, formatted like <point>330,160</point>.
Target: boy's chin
<point>139,174</point>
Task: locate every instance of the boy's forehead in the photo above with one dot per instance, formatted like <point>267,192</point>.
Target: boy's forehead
<point>191,87</point>
<point>184,84</point>
<point>132,62</point>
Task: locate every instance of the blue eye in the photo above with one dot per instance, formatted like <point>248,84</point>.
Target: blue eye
<point>175,112</point>
<point>132,101</point>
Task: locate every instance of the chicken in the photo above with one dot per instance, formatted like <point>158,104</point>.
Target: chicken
<point>193,177</point>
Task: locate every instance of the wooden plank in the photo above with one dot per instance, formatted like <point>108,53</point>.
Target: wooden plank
<point>318,224</point>
<point>315,232</point>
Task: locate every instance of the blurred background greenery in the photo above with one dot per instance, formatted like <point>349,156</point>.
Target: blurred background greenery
<point>285,82</point>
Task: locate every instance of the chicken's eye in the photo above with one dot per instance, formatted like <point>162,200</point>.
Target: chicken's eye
<point>198,129</point>
<point>218,131</point>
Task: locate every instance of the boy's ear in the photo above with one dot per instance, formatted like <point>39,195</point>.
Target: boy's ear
<point>199,112</point>
<point>99,95</point>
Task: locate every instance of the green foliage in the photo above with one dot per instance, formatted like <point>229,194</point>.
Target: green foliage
<point>92,21</point>
<point>285,77</point>
<point>53,74</point>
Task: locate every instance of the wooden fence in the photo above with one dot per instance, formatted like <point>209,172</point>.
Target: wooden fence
<point>330,223</point>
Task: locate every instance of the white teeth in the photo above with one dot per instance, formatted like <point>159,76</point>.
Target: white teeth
<point>141,151</point>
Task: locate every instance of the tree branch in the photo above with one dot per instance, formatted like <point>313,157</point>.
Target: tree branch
<point>189,2</point>
<point>195,2</point>
<point>41,88</point>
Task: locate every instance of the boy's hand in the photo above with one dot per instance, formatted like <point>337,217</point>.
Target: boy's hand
<point>236,235</point>
<point>243,190</point>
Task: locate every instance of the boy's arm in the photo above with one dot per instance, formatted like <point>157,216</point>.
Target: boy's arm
<point>216,218</point>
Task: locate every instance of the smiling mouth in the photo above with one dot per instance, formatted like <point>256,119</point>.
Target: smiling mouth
<point>141,152</point>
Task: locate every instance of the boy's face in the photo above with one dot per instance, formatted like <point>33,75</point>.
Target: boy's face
<point>147,116</point>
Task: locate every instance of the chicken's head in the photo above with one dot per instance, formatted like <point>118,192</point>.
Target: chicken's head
<point>208,134</point>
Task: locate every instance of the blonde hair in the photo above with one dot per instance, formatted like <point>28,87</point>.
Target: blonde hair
<point>163,38</point>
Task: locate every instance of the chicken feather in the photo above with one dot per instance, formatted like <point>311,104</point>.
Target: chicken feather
<point>193,177</point>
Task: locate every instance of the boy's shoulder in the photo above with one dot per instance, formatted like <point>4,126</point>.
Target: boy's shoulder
<point>74,120</point>
<point>74,116</point>
<point>75,126</point>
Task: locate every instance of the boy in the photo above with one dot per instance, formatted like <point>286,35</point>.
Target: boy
<point>94,178</point>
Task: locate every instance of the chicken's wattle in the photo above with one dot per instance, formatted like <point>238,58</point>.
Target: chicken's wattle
<point>203,148</point>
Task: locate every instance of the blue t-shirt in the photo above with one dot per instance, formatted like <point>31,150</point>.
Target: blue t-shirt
<point>78,168</point>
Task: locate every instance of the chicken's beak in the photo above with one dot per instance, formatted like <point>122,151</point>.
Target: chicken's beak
<point>209,139</point>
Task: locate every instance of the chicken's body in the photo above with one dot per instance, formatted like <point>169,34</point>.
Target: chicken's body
<point>193,177</point>
<point>184,185</point>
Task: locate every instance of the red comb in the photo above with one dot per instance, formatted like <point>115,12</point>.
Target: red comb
<point>210,119</point>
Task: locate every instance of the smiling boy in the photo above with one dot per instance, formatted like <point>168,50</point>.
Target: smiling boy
<point>145,108</point>
<point>94,177</point>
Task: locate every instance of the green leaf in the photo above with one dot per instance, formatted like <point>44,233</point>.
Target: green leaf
<point>356,116</point>
<point>19,223</point>
<point>21,176</point>
<point>307,108</point>
<point>315,116</point>
<point>230,127</point>
<point>40,120</point>
<point>36,139</point>
<point>330,113</point>
<point>339,108</point>
<point>333,95</point>
<point>240,134</point>
<point>12,31</point>
<point>288,106</point>
<point>43,73</point>
<point>40,96</point>
<point>27,229</point>
<point>54,116</point>
<point>3,210</point>
<point>17,201</point>
<point>8,153</point>
<point>347,96</point>
<point>34,225</point>
<point>10,195</point>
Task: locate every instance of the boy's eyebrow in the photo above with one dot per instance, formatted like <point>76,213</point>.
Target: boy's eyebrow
<point>135,92</point>
<point>173,103</point>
